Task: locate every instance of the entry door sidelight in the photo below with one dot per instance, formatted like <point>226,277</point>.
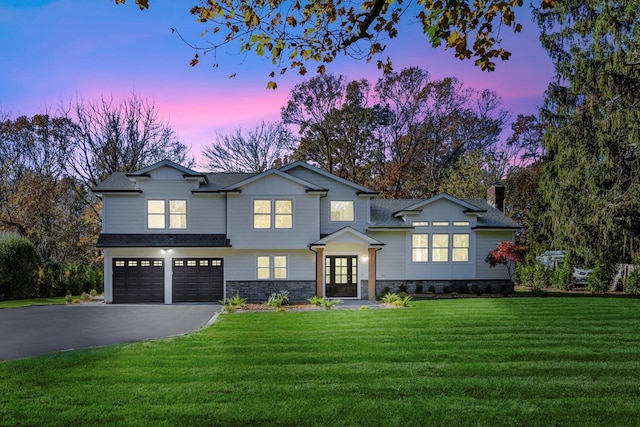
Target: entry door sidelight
<point>341,276</point>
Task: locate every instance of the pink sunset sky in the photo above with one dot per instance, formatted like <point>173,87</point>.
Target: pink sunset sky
<point>53,50</point>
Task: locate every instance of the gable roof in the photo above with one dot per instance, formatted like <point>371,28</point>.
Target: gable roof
<point>347,230</point>
<point>359,188</point>
<point>276,172</point>
<point>165,162</point>
<point>384,212</point>
<point>422,203</point>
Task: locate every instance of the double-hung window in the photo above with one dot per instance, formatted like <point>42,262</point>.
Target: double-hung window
<point>271,267</point>
<point>420,247</point>
<point>269,213</point>
<point>157,214</point>
<point>342,210</point>
<point>177,214</point>
<point>460,250</point>
<point>440,248</point>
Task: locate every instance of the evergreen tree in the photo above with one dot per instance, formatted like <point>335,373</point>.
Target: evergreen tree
<point>589,193</point>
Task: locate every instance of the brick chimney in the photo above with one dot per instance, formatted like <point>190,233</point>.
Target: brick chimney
<point>495,196</point>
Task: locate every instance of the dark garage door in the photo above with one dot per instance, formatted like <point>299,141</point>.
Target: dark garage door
<point>138,280</point>
<point>197,279</point>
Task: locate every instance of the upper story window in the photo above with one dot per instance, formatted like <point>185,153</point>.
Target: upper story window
<point>420,223</point>
<point>460,223</point>
<point>157,214</point>
<point>269,213</point>
<point>178,214</point>
<point>342,210</point>
<point>440,223</point>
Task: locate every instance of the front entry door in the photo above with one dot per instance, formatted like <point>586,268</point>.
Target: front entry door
<point>341,276</point>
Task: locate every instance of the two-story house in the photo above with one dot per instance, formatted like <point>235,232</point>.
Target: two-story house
<point>171,235</point>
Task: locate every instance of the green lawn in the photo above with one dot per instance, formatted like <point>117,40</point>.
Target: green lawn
<point>31,301</point>
<point>495,361</point>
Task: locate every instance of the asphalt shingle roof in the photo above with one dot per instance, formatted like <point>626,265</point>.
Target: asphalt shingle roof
<point>117,181</point>
<point>382,211</point>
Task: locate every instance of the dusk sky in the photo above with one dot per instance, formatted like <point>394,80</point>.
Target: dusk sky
<point>53,50</point>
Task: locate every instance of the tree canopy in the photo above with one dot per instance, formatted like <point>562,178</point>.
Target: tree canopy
<point>589,193</point>
<point>294,33</point>
<point>399,137</point>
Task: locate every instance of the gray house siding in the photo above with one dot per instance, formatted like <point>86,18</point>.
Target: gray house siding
<point>337,192</point>
<point>240,216</point>
<point>220,224</point>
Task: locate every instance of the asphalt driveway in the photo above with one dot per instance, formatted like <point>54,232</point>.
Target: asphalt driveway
<point>32,331</point>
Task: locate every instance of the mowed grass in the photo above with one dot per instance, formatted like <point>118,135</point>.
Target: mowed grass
<point>489,362</point>
<point>31,301</point>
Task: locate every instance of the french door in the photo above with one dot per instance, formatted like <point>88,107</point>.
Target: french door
<point>341,276</point>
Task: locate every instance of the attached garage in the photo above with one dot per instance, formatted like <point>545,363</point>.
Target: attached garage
<point>138,280</point>
<point>197,280</point>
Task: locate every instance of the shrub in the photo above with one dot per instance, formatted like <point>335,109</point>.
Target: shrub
<point>419,289</point>
<point>278,299</point>
<point>18,267</point>
<point>68,298</point>
<point>599,280</point>
<point>315,300</point>
<point>631,284</point>
<point>488,290</point>
<point>93,293</point>
<point>476,290</point>
<point>534,275</point>
<point>46,283</point>
<point>541,278</point>
<point>233,303</point>
<point>77,278</point>
<point>85,297</point>
<point>432,289</point>
<point>396,300</point>
<point>328,303</point>
<point>324,302</point>
<point>562,276</point>
<point>403,288</point>
<point>446,289</point>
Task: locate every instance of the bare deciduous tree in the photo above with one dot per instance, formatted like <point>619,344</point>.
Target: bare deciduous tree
<point>123,135</point>
<point>254,150</point>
